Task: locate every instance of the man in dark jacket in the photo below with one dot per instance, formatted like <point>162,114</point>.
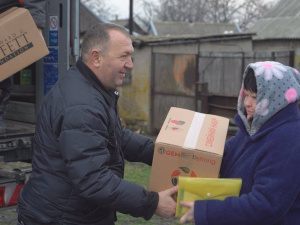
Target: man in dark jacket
<point>80,145</point>
<point>37,11</point>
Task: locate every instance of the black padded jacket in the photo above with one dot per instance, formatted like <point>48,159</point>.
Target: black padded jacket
<point>79,151</point>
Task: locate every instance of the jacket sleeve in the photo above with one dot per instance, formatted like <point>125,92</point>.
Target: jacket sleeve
<point>136,147</point>
<point>37,11</point>
<point>227,149</point>
<point>83,142</point>
<point>276,186</point>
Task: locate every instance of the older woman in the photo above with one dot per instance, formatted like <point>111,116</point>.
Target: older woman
<point>265,153</point>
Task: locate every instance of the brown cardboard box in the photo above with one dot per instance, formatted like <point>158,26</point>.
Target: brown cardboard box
<point>188,144</point>
<point>21,43</point>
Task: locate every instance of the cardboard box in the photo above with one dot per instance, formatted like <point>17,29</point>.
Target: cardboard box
<point>188,144</point>
<point>21,43</point>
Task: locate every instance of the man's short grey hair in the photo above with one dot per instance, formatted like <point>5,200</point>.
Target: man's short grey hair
<point>98,37</point>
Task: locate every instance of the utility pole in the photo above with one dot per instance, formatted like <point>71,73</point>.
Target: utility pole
<point>131,17</point>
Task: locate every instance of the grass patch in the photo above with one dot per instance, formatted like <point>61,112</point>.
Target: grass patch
<point>139,173</point>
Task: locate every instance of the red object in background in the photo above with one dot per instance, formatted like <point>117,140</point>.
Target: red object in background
<point>15,196</point>
<point>2,200</point>
<point>10,193</point>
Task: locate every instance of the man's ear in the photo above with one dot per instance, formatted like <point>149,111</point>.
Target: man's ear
<point>96,57</point>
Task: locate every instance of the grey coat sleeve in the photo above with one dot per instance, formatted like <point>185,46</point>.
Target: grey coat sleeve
<point>83,146</point>
<point>137,147</point>
<point>37,11</point>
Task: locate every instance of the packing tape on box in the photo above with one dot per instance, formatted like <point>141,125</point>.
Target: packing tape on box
<point>194,131</point>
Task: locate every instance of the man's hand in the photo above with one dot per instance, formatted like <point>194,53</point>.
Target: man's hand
<point>189,215</point>
<point>166,204</point>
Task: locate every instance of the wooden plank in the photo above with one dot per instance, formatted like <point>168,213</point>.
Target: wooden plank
<point>162,106</point>
<point>163,79</point>
<point>23,88</point>
<point>163,103</point>
<point>175,74</point>
<point>20,111</point>
<point>232,72</point>
<point>19,127</point>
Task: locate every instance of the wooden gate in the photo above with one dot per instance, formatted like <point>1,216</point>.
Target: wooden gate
<point>209,82</point>
<point>173,84</point>
<point>220,78</point>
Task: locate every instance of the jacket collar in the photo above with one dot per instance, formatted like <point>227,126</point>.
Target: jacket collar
<point>111,96</point>
<point>290,113</point>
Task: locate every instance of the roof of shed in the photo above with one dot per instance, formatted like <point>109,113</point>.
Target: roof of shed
<point>281,22</point>
<point>125,23</point>
<point>196,28</point>
<point>141,41</point>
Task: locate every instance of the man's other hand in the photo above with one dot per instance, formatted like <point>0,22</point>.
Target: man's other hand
<point>166,205</point>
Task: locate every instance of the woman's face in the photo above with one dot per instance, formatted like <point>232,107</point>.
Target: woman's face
<point>249,103</point>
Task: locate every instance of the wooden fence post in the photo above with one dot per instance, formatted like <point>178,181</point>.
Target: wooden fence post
<point>204,97</point>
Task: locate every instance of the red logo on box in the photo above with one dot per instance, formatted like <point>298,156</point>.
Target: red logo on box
<point>178,122</point>
<point>182,170</point>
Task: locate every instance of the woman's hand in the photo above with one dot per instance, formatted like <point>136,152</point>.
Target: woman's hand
<point>189,215</point>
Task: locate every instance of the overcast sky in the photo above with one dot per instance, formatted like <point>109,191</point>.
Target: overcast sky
<point>121,7</point>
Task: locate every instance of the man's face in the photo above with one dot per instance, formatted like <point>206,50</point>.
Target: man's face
<point>117,60</point>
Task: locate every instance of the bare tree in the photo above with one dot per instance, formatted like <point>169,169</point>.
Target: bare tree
<point>242,12</point>
<point>251,12</point>
<point>99,8</point>
<point>147,12</point>
<point>181,10</point>
<point>221,11</point>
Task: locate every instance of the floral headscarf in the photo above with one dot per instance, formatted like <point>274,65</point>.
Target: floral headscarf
<point>277,86</point>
